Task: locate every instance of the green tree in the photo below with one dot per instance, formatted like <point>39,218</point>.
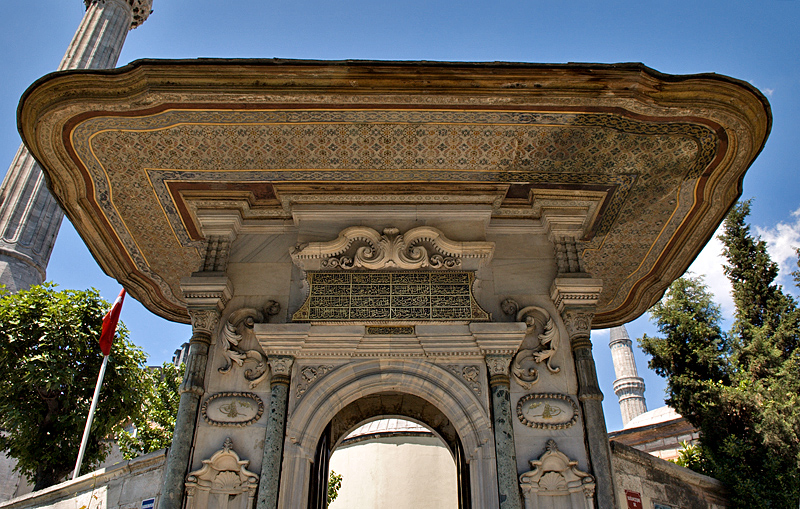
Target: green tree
<point>692,456</point>
<point>741,389</point>
<point>334,484</point>
<point>154,426</point>
<point>49,361</point>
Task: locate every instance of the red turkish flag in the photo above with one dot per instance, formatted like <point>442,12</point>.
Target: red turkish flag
<point>110,324</point>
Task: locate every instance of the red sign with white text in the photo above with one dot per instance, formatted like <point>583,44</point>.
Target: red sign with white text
<point>634,499</point>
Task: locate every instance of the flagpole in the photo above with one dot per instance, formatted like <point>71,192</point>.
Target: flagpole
<point>89,420</point>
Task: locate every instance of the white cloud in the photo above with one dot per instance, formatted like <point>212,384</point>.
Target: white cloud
<point>782,240</point>
<point>768,91</point>
<point>709,265</point>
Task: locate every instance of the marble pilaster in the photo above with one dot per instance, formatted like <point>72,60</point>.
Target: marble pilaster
<point>502,415</point>
<point>575,298</point>
<point>272,459</point>
<point>206,297</point>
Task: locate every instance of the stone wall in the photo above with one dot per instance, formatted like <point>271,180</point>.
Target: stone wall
<point>13,484</point>
<point>122,486</point>
<point>661,484</point>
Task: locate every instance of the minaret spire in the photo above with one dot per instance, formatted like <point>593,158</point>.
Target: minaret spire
<point>29,216</point>
<point>628,386</point>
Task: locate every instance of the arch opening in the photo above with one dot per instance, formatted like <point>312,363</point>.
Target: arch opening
<point>393,450</point>
<point>362,391</point>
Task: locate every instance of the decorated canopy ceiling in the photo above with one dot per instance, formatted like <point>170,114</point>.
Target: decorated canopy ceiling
<point>132,154</point>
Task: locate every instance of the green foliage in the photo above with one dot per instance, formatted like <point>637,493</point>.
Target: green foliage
<point>741,389</point>
<point>693,457</point>
<point>334,484</point>
<point>154,427</point>
<point>49,361</point>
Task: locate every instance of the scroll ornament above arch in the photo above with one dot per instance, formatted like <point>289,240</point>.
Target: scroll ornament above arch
<point>522,366</point>
<point>231,335</point>
<point>361,247</point>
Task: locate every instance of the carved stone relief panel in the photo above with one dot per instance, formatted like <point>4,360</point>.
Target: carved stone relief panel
<point>547,411</point>
<point>360,247</point>
<point>469,374</point>
<point>557,479</point>
<point>309,375</point>
<point>232,409</point>
<point>223,482</point>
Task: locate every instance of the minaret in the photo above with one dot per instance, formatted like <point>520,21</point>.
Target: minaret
<point>29,216</point>
<point>628,386</point>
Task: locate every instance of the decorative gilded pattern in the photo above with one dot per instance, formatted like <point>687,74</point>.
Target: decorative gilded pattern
<point>131,159</point>
<point>390,296</point>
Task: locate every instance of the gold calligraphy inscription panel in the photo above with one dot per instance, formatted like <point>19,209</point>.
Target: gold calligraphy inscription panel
<point>390,296</point>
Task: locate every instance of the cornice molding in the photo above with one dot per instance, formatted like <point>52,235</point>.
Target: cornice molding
<point>578,291</point>
<point>207,291</point>
<point>434,342</point>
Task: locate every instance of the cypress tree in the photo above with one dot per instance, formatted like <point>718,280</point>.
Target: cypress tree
<point>741,388</point>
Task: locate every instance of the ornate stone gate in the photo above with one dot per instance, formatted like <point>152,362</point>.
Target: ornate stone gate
<point>341,233</point>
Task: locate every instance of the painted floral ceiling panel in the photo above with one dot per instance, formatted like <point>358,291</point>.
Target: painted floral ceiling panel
<point>127,150</point>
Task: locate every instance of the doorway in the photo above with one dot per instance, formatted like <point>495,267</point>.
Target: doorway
<point>394,463</point>
<point>409,458</point>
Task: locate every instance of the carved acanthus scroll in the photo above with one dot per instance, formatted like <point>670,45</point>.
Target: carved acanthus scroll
<point>360,247</point>
<point>523,365</point>
<point>231,336</point>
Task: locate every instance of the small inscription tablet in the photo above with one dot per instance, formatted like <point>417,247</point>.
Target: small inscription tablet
<point>379,297</point>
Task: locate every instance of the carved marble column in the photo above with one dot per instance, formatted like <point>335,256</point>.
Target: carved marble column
<point>206,297</point>
<point>268,489</point>
<point>29,216</point>
<point>575,298</point>
<point>502,415</point>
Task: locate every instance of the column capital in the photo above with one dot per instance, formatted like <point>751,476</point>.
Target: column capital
<point>578,322</point>
<point>498,368</point>
<point>498,364</point>
<point>281,366</point>
<point>204,321</point>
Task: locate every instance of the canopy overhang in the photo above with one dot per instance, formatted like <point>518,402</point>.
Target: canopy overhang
<point>136,155</point>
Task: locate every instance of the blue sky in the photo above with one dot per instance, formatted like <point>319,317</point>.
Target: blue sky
<point>756,42</point>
